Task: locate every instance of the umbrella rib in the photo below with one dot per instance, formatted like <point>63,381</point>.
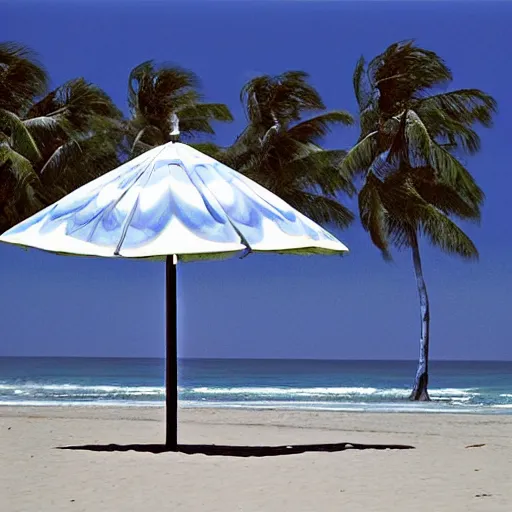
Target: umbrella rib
<point>98,217</point>
<point>262,199</point>
<point>129,217</point>
<point>298,215</point>
<point>240,234</point>
<point>101,213</point>
<point>254,192</point>
<point>179,162</point>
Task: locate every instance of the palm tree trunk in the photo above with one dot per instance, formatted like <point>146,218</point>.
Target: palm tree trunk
<point>420,392</point>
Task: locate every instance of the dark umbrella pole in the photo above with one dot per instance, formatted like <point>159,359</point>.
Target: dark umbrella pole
<point>171,356</point>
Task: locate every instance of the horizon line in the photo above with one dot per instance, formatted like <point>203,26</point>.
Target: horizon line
<point>354,360</point>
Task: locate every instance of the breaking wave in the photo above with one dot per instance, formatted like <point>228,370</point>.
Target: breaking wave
<point>340,392</point>
<point>330,398</point>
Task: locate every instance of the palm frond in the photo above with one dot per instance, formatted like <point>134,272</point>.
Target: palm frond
<point>210,111</point>
<point>147,138</point>
<point>169,79</point>
<point>451,171</point>
<point>22,77</point>
<point>467,106</point>
<point>42,124</point>
<point>315,128</point>
<point>77,101</point>
<point>197,118</point>
<point>361,156</point>
<point>322,169</point>
<point>155,93</point>
<point>282,97</point>
<point>210,149</point>
<point>153,88</point>
<point>321,209</point>
<point>21,139</point>
<point>359,83</point>
<point>403,71</point>
<point>451,116</point>
<point>61,157</point>
<point>450,133</point>
<point>373,214</point>
<point>442,196</point>
<point>445,234</point>
<point>48,131</point>
<point>21,169</point>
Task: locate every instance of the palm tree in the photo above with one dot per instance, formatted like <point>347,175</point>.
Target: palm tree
<point>21,79</point>
<point>87,133</point>
<point>50,142</point>
<point>414,184</point>
<point>156,95</point>
<point>280,147</point>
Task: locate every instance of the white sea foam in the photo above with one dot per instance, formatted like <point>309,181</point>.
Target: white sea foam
<point>74,389</point>
<point>284,391</point>
<point>340,398</point>
<point>453,392</point>
<point>58,403</point>
<point>31,388</point>
<point>446,393</point>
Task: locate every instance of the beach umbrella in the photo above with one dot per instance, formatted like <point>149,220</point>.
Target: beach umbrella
<point>176,204</point>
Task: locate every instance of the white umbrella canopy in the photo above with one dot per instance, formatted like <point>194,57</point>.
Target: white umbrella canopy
<point>171,200</point>
<point>173,203</point>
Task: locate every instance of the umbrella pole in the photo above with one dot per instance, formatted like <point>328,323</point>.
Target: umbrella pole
<point>171,356</point>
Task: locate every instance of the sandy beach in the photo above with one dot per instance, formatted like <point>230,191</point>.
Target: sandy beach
<point>440,474</point>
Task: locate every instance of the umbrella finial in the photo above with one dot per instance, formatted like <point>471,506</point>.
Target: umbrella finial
<point>175,126</point>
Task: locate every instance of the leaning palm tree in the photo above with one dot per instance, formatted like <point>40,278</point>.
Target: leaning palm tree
<point>280,147</point>
<point>44,135</point>
<point>159,96</point>
<point>414,184</point>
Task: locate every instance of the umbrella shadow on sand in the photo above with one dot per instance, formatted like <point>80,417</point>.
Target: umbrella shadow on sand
<point>236,451</point>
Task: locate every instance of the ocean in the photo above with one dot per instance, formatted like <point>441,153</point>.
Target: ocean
<point>461,387</point>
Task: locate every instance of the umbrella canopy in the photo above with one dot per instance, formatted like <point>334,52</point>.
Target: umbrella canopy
<point>171,200</point>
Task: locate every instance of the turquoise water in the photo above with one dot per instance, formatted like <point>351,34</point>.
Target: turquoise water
<point>484,387</point>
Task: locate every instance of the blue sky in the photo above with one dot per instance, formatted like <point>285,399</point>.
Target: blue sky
<point>358,307</point>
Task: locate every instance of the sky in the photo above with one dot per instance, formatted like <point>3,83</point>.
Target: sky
<point>355,307</point>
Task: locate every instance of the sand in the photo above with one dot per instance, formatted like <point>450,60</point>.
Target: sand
<point>440,474</point>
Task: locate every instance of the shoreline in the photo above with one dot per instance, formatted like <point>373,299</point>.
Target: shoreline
<point>401,408</point>
<point>302,420</point>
